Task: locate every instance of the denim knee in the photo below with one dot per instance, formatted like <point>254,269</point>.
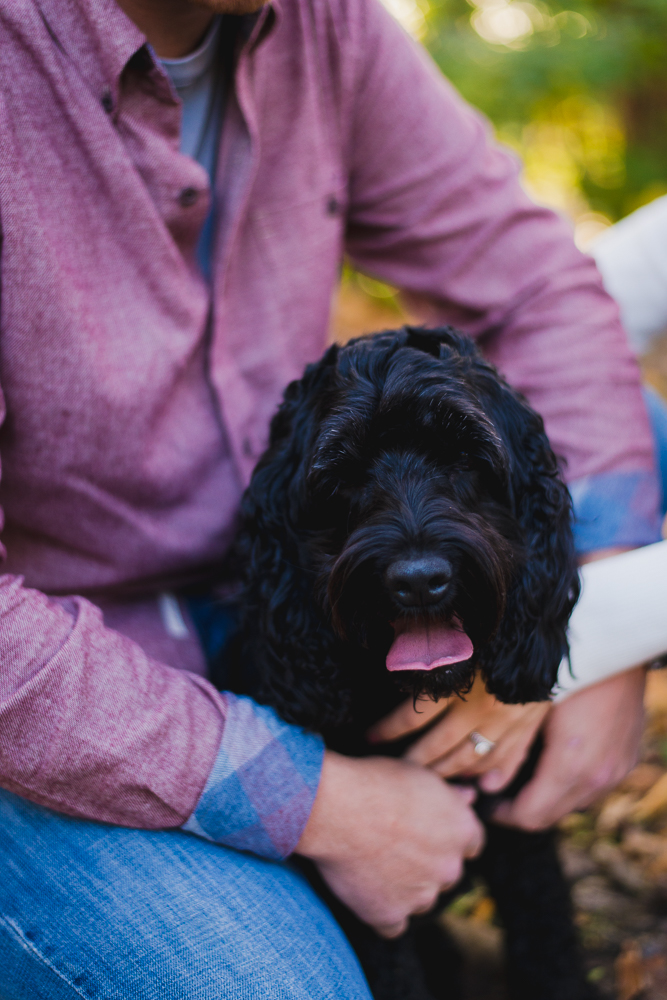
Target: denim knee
<point>657,412</point>
<point>89,910</point>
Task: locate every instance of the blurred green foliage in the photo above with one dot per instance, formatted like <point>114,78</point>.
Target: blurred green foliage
<point>579,89</point>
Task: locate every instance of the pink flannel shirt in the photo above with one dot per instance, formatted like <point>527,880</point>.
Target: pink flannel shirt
<point>136,399</point>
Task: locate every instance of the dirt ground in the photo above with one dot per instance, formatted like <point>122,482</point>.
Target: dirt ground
<point>615,854</point>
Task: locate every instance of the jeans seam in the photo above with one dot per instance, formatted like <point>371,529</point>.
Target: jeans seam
<point>30,947</point>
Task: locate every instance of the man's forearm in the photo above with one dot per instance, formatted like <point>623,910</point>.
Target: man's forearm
<point>90,725</point>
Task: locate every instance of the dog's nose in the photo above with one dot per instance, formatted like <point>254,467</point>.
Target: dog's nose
<point>418,582</point>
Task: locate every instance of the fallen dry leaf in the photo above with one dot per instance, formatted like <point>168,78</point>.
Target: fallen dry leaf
<point>641,778</point>
<point>619,866</point>
<point>638,842</point>
<point>657,868</point>
<point>656,692</point>
<point>631,977</point>
<point>484,911</point>
<point>576,862</point>
<point>616,809</point>
<point>653,803</point>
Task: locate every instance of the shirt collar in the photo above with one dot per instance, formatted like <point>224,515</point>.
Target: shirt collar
<point>97,36</point>
<point>100,38</point>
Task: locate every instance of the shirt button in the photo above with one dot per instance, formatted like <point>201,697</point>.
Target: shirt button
<point>188,197</point>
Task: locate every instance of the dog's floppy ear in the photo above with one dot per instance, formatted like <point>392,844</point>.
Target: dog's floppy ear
<point>521,662</point>
<point>292,652</point>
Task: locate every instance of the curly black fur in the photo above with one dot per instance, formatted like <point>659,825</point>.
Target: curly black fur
<point>401,444</point>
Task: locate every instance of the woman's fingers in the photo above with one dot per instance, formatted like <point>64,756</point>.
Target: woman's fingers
<point>461,760</point>
<point>442,739</point>
<point>591,740</point>
<point>511,755</point>
<point>495,770</point>
<point>512,731</point>
<point>407,718</point>
<point>447,747</point>
<point>392,930</point>
<point>462,716</point>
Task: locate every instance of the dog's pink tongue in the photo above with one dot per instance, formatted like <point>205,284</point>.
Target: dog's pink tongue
<point>425,646</point>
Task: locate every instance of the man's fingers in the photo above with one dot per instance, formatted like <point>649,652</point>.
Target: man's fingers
<point>391,930</point>
<point>472,834</point>
<point>467,793</point>
<point>407,718</point>
<point>476,841</point>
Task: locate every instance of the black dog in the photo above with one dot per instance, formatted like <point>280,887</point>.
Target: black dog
<point>407,527</point>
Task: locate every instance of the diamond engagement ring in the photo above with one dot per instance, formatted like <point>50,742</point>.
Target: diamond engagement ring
<point>482,745</point>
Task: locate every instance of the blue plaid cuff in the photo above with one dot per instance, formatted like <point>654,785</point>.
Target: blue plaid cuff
<point>615,508</point>
<point>262,786</point>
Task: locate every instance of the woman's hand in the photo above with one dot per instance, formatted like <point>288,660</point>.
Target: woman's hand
<point>447,747</point>
<point>592,739</point>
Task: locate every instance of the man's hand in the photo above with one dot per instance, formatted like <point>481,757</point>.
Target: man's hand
<point>591,741</point>
<point>388,837</point>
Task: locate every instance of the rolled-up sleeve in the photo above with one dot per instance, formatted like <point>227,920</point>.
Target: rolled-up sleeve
<point>262,786</point>
<point>93,727</point>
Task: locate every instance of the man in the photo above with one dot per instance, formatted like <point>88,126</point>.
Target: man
<point>145,342</point>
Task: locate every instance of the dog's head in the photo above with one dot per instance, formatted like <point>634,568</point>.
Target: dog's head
<point>409,506</point>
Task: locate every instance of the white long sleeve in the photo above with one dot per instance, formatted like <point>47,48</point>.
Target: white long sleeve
<point>621,618</point>
<point>632,258</point>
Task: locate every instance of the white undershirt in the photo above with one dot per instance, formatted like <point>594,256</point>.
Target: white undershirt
<point>198,81</point>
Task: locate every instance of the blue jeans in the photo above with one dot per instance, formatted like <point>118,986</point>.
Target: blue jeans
<point>657,412</point>
<point>95,911</point>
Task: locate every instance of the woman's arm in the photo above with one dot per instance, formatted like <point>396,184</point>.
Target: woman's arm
<point>620,619</point>
<point>632,258</point>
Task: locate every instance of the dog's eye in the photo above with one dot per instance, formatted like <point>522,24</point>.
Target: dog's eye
<point>463,475</point>
<point>329,510</point>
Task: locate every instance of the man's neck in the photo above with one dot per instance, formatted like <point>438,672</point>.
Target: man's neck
<point>174,28</point>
